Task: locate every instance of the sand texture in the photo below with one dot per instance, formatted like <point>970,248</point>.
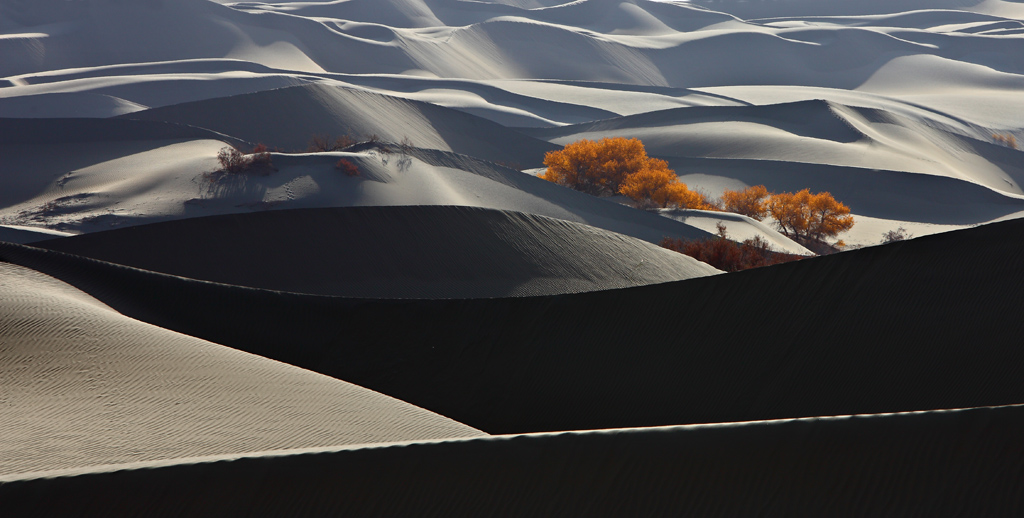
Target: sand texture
<point>84,385</point>
<point>908,326</point>
<point>392,312</point>
<point>902,464</point>
<point>391,252</point>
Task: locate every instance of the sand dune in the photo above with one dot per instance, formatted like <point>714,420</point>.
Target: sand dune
<point>936,463</point>
<point>390,252</point>
<point>906,326</point>
<point>565,316</point>
<point>287,118</point>
<point>83,175</point>
<point>86,386</point>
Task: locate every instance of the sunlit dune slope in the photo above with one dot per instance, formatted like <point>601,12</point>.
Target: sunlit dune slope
<point>289,117</point>
<point>88,175</point>
<point>934,463</point>
<point>83,385</point>
<point>915,325</point>
<point>391,252</point>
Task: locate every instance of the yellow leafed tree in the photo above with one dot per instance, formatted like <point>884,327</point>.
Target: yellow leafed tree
<point>752,201</point>
<point>809,216</point>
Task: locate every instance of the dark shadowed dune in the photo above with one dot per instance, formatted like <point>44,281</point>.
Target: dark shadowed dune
<point>82,385</point>
<point>66,131</point>
<point>391,252</point>
<point>288,117</point>
<point>924,324</point>
<point>950,463</point>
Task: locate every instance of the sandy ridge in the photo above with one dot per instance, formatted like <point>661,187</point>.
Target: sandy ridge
<point>83,385</point>
<point>939,463</point>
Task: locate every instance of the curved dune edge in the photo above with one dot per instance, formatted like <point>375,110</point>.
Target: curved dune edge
<point>935,463</point>
<point>390,252</point>
<point>902,327</point>
<point>83,384</point>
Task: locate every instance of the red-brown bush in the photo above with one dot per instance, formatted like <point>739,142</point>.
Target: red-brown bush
<point>326,143</point>
<point>728,255</point>
<point>346,166</point>
<point>235,162</point>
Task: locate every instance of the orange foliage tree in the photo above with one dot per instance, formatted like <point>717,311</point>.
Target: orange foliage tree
<point>620,166</point>
<point>752,201</point>
<point>811,217</point>
<point>596,168</point>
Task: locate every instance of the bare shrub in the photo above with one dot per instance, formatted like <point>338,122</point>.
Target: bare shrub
<point>346,166</point>
<point>326,143</point>
<point>900,234</point>
<point>233,161</point>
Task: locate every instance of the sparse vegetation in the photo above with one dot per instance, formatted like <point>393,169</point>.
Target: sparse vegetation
<point>234,161</point>
<point>621,166</point>
<point>728,255</point>
<point>900,234</point>
<point>346,166</point>
<point>1007,140</point>
<point>327,143</point>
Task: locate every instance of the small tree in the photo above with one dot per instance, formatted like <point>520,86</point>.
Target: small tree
<point>597,168</point>
<point>752,201</point>
<point>809,217</point>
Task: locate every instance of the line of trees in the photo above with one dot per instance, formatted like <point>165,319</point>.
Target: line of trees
<point>621,166</point>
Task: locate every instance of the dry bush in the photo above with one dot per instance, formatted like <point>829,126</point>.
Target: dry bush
<point>728,255</point>
<point>346,166</point>
<point>326,143</point>
<point>1007,140</point>
<point>900,234</point>
<point>751,202</point>
<point>234,161</point>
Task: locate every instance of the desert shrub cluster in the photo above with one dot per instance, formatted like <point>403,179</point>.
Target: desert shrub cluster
<point>621,166</point>
<point>328,143</point>
<point>233,161</point>
<point>727,255</point>
<point>346,166</point>
<point>1007,140</point>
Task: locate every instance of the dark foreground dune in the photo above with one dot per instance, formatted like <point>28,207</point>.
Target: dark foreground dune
<point>924,324</point>
<point>391,252</point>
<point>82,385</point>
<point>951,463</point>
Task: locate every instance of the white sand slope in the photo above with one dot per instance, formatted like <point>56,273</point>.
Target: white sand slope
<point>103,174</point>
<point>82,385</point>
<point>891,106</point>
